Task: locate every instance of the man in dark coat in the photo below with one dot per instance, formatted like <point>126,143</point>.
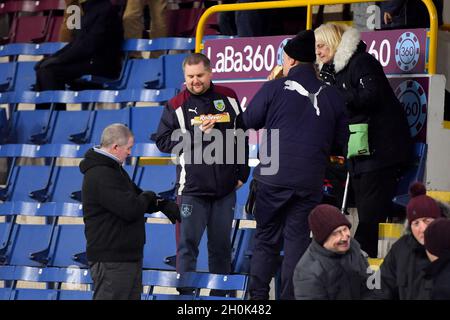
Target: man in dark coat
<point>402,271</point>
<point>113,214</point>
<point>369,100</point>
<point>308,117</point>
<point>437,245</point>
<point>206,187</point>
<point>333,267</point>
<point>95,49</point>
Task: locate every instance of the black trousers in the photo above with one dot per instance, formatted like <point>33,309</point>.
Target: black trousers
<point>281,224</point>
<point>117,280</point>
<point>55,77</point>
<point>374,192</point>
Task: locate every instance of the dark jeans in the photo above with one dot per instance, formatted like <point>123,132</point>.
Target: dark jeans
<point>374,192</point>
<point>116,280</point>
<point>281,223</point>
<point>216,215</point>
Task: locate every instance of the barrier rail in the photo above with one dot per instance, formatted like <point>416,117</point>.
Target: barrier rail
<point>432,33</point>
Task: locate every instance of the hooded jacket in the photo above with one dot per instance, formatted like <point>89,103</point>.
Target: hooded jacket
<point>311,120</point>
<point>325,275</point>
<point>369,99</point>
<point>113,210</point>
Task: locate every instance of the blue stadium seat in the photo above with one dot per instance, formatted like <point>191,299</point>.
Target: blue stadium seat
<point>155,250</point>
<point>25,76</point>
<point>157,178</point>
<point>146,73</point>
<point>44,275</point>
<point>14,50</point>
<point>173,70</point>
<point>196,280</point>
<point>7,71</point>
<point>25,240</point>
<point>68,241</point>
<point>414,173</point>
<point>144,122</point>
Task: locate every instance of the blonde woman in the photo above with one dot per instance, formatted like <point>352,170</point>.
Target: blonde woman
<point>371,104</point>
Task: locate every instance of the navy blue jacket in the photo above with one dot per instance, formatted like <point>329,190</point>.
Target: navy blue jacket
<point>306,134</point>
<point>202,179</point>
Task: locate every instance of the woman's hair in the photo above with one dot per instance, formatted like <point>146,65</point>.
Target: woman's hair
<point>330,34</point>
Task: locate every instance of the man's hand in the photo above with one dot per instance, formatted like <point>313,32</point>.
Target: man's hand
<point>207,126</point>
<point>238,185</point>
<point>387,18</point>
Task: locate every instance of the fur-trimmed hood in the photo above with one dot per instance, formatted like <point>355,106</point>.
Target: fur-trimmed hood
<point>348,46</point>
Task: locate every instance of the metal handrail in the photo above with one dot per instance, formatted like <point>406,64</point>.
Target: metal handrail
<point>432,34</point>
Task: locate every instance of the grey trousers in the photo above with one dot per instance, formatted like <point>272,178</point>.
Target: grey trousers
<point>116,280</point>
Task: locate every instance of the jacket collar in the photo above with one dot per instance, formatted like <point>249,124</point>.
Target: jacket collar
<point>303,69</point>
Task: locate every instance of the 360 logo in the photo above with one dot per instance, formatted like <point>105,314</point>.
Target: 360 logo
<point>407,51</point>
<point>414,101</point>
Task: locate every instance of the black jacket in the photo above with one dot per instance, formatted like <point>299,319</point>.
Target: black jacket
<point>439,272</point>
<point>307,133</point>
<point>113,210</point>
<point>198,178</point>
<point>370,99</point>
<point>402,272</point>
<point>99,40</point>
<point>324,275</point>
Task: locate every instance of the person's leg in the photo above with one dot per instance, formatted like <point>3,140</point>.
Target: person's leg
<point>269,215</point>
<point>116,280</point>
<point>194,214</point>
<point>296,236</point>
<point>373,194</point>
<point>158,22</point>
<point>219,227</point>
<point>55,77</point>
<point>136,290</point>
<point>66,35</point>
<point>133,24</point>
<point>251,23</point>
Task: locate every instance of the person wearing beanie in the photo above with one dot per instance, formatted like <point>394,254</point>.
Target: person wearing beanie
<point>303,119</point>
<point>437,245</point>
<point>402,271</point>
<point>333,267</point>
<point>374,163</point>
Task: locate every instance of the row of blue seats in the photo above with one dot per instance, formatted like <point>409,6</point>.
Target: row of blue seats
<point>150,278</point>
<point>159,73</point>
<point>54,191</point>
<point>48,133</point>
<point>163,72</point>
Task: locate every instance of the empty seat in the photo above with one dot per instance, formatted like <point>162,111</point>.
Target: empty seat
<point>69,243</point>
<point>144,122</point>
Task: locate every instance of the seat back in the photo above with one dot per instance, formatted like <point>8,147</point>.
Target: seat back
<point>29,28</point>
<point>68,242</point>
<point>173,70</point>
<point>146,71</point>
<point>144,122</point>
<point>415,172</point>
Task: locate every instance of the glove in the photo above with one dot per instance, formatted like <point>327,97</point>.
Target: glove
<point>151,196</point>
<point>170,209</point>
